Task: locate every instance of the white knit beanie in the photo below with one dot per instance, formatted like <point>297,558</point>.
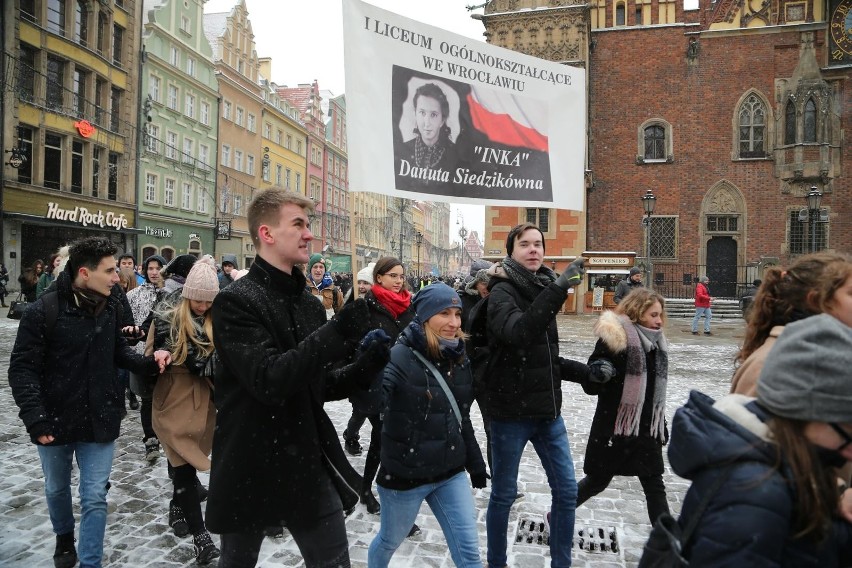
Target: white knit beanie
<point>366,273</point>
<point>202,283</point>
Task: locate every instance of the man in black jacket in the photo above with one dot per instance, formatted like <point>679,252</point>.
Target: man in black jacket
<point>62,373</point>
<point>276,455</point>
<point>627,285</point>
<point>524,388</point>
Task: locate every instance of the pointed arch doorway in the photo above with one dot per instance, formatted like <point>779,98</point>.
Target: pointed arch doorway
<point>722,236</point>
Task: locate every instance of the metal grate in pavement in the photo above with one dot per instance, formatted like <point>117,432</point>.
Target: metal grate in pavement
<point>587,538</point>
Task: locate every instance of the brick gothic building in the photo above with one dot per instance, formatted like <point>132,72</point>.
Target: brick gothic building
<point>729,112</point>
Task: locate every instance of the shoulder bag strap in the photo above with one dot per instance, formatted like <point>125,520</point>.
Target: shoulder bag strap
<point>702,506</point>
<point>446,388</point>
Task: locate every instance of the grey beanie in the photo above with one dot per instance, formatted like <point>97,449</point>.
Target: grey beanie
<point>704,280</point>
<point>808,373</point>
<point>478,265</point>
<point>634,271</point>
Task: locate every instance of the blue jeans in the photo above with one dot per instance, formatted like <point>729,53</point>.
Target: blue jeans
<point>451,502</point>
<point>95,463</point>
<point>550,441</point>
<point>707,317</point>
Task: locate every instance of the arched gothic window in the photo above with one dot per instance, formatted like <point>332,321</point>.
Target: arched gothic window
<point>790,123</point>
<point>810,122</point>
<point>752,128</point>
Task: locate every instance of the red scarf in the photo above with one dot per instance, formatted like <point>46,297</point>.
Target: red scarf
<point>393,301</point>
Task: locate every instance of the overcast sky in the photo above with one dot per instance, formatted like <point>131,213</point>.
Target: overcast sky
<point>304,38</point>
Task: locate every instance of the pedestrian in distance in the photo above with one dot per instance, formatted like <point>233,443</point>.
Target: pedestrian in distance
<point>4,280</point>
<point>277,458</point>
<point>427,438</point>
<point>184,416</point>
<point>765,467</point>
<point>49,275</point>
<point>321,285</point>
<point>629,375</point>
<point>62,374</point>
<point>128,261</point>
<point>627,285</point>
<point>29,280</point>
<point>229,266</point>
<point>524,344</point>
<point>702,306</point>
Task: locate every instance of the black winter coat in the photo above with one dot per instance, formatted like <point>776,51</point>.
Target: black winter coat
<point>274,444</point>
<point>749,521</point>
<point>64,381</point>
<point>607,454</point>
<point>371,401</point>
<point>525,372</point>
<point>421,438</point>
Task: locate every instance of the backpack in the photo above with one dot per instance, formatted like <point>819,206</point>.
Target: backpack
<point>478,324</point>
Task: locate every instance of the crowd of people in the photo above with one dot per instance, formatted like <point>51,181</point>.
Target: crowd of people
<point>231,369</point>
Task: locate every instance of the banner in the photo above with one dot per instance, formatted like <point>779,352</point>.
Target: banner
<point>437,116</point>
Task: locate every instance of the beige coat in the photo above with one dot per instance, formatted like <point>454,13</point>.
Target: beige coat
<point>184,417</point>
<point>331,298</point>
<point>747,374</point>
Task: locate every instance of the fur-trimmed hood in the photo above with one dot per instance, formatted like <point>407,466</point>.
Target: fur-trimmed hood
<point>610,329</point>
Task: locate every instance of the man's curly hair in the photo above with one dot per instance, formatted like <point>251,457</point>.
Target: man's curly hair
<point>89,252</point>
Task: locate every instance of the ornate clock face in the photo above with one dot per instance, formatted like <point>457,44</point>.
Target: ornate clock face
<point>840,33</point>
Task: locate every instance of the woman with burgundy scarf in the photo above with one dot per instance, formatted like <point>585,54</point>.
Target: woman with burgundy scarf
<point>389,302</point>
<point>628,370</point>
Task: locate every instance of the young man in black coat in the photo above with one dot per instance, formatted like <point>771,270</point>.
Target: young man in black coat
<point>62,373</point>
<point>276,455</point>
<point>524,388</point>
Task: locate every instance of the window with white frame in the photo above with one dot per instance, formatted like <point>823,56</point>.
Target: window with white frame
<point>169,193</point>
<point>186,196</point>
<point>204,113</point>
<point>226,155</point>
<point>287,179</point>
<point>172,101</point>
<point>298,182</point>
<point>238,205</point>
<point>278,171</point>
<point>174,56</point>
<point>203,156</point>
<point>185,25</point>
<point>189,106</point>
<point>154,88</point>
<point>252,123</point>
<point>226,110</point>
<point>190,66</point>
<point>240,116</point>
<point>267,130</point>
<point>250,165</point>
<point>153,138</point>
<point>202,200</point>
<point>171,145</point>
<point>238,160</point>
<point>188,147</point>
<point>278,135</point>
<point>150,188</point>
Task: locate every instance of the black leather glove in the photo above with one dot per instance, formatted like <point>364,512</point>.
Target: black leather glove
<point>601,371</point>
<point>573,275</point>
<point>353,320</point>
<point>479,480</point>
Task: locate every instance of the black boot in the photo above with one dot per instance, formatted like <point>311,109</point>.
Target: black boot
<point>132,400</point>
<point>65,555</point>
<point>177,520</point>
<point>369,501</point>
<point>205,551</point>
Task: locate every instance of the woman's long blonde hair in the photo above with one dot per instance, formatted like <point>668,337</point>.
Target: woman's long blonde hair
<point>185,328</point>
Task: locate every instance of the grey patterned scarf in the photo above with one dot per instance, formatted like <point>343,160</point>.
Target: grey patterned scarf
<point>529,283</point>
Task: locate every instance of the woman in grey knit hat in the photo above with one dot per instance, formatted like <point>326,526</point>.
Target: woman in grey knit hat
<point>767,464</point>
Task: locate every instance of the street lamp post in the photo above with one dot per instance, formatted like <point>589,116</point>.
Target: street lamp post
<point>814,198</point>
<point>649,201</point>
<point>418,240</point>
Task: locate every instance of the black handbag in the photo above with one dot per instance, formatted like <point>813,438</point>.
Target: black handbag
<point>17,308</point>
<point>666,542</point>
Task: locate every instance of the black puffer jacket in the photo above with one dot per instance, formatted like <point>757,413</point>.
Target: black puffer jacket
<point>525,372</point>
<point>64,380</point>
<point>421,439</point>
<point>371,401</point>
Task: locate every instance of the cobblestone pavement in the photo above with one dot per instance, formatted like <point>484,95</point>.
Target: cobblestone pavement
<point>138,533</point>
